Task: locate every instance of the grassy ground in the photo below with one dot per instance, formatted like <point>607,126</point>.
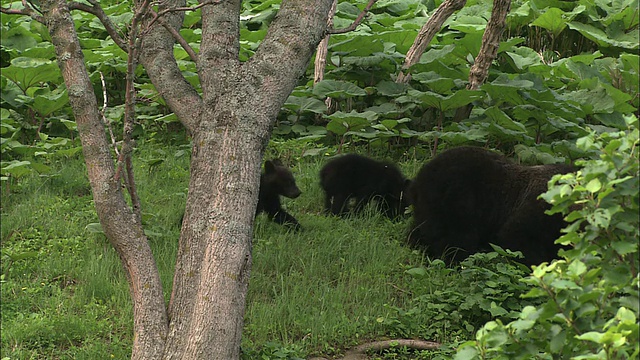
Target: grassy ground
<point>338,283</point>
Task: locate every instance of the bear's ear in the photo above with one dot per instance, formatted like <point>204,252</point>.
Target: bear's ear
<point>277,162</point>
<point>269,167</point>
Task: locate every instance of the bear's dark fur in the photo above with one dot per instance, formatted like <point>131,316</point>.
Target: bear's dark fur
<point>468,197</point>
<point>275,181</point>
<point>358,177</point>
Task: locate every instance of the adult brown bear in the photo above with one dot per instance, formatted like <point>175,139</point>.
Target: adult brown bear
<point>468,197</point>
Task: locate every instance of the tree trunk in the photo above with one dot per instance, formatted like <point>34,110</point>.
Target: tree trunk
<point>230,124</point>
<point>120,225</point>
<point>240,103</point>
<point>488,52</point>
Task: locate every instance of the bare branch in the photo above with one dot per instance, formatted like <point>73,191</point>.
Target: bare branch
<point>211,2</point>
<point>28,10</point>
<point>488,52</point>
<point>106,122</point>
<point>124,159</point>
<point>174,33</point>
<point>98,12</point>
<point>357,22</point>
<point>124,232</point>
<point>359,352</point>
<point>321,57</point>
<point>490,43</point>
<point>427,32</point>
<point>321,53</point>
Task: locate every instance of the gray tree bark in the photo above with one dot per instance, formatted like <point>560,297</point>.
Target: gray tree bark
<point>121,226</point>
<point>230,124</point>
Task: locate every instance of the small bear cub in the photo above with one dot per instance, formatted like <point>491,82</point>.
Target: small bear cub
<point>277,180</point>
<point>357,177</point>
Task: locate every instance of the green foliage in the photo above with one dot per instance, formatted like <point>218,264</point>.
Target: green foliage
<point>460,300</point>
<point>563,69</point>
<point>590,298</point>
<point>560,66</point>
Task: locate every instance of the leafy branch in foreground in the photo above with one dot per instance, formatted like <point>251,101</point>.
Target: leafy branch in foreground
<point>591,296</point>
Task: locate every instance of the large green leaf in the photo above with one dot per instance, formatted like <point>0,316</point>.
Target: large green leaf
<point>27,72</point>
<point>47,104</point>
<point>348,44</point>
<point>16,168</point>
<point>435,82</point>
<point>498,117</point>
<point>390,88</point>
<point>337,89</point>
<point>342,122</point>
<point>503,89</point>
<point>402,39</point>
<point>19,37</point>
<point>444,103</point>
<point>435,54</point>
<point>468,24</point>
<point>523,57</point>
<point>598,36</point>
<point>305,104</point>
<point>553,20</point>
<point>386,109</point>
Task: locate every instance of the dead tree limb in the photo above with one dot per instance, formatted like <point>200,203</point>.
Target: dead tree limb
<point>320,63</point>
<point>427,32</point>
<point>355,24</point>
<point>488,52</point>
<point>28,10</point>
<point>359,352</point>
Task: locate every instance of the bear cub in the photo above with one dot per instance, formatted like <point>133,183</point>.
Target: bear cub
<point>277,180</point>
<point>357,177</point>
<point>468,197</point>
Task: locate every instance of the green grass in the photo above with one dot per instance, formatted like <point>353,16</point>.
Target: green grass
<point>337,283</point>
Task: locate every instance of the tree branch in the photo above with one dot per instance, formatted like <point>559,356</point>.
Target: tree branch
<point>488,52</point>
<point>156,55</point>
<point>356,22</point>
<point>124,232</point>
<point>427,32</point>
<point>98,12</point>
<point>133,47</point>
<point>28,10</point>
<point>174,33</point>
<point>183,8</point>
<point>321,58</point>
<point>105,121</point>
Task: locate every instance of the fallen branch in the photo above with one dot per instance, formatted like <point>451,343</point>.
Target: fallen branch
<point>360,351</point>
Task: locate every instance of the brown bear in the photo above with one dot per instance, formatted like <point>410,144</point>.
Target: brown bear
<point>468,197</point>
<point>357,177</point>
<point>277,180</point>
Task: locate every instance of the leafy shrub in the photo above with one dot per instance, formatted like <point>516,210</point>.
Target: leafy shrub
<point>590,308</point>
<point>458,301</point>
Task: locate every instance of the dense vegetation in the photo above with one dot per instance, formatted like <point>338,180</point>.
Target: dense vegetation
<point>563,88</point>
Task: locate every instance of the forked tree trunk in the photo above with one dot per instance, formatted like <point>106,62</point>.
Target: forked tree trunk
<point>230,124</point>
